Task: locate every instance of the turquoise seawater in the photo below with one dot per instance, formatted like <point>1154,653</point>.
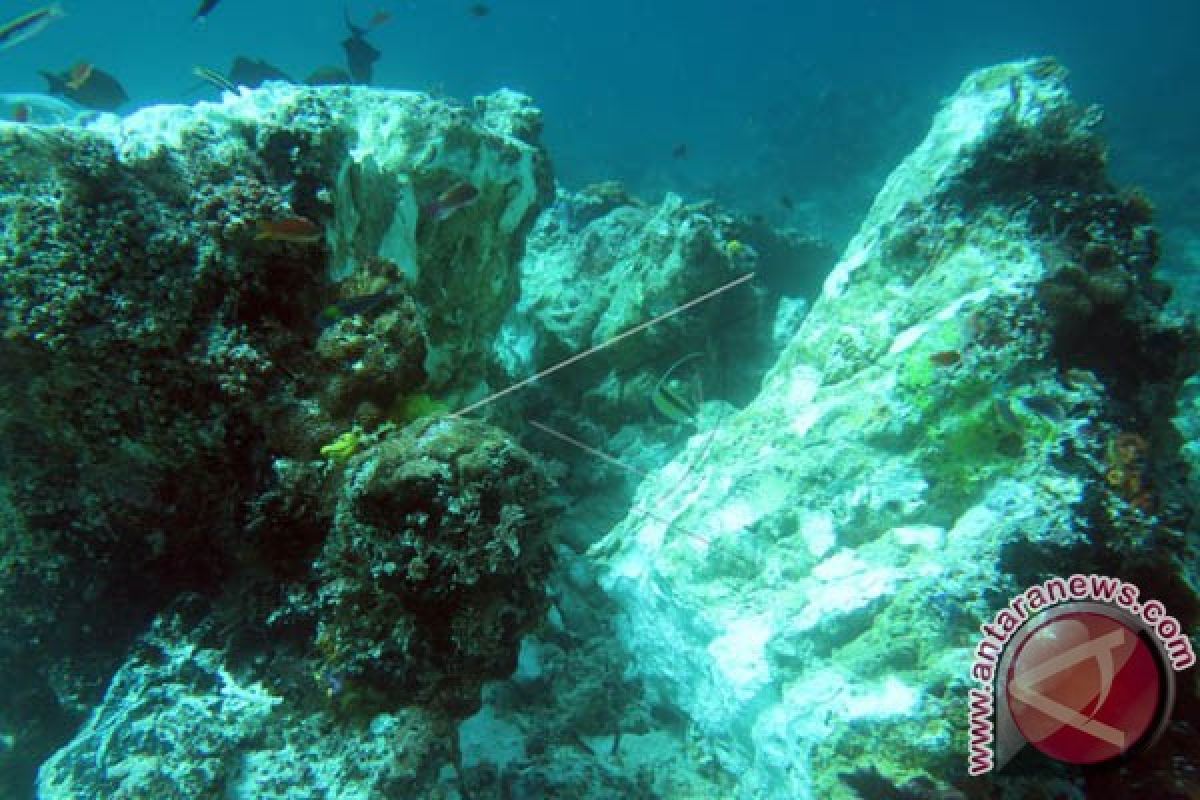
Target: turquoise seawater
<point>765,94</point>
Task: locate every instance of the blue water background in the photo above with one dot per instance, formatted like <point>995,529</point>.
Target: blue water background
<point>625,82</point>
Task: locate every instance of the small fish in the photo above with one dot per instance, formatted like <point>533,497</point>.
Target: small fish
<point>946,358</point>
<point>457,197</point>
<point>787,202</point>
<point>679,151</point>
<point>254,72</point>
<point>38,108</point>
<point>672,398</point>
<point>361,55</point>
<point>380,17</point>
<point>215,78</point>
<point>479,10</point>
<point>1044,406</point>
<point>206,8</point>
<point>79,74</point>
<point>28,25</point>
<point>352,306</point>
<point>297,230</point>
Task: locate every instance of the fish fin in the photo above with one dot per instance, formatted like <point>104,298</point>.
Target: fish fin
<point>56,84</point>
<point>355,30</point>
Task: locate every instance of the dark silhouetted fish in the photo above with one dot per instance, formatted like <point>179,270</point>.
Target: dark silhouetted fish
<point>353,306</point>
<point>360,54</point>
<point>679,151</point>
<point>479,10</point>
<point>206,8</point>
<point>91,88</point>
<point>255,72</point>
<point>328,75</point>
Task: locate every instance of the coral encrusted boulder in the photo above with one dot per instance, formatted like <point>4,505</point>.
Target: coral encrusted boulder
<point>203,309</point>
<point>979,399</point>
<point>434,567</point>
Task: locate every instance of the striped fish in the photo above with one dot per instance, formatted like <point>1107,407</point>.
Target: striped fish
<point>215,78</point>
<point>28,25</point>
<point>675,399</point>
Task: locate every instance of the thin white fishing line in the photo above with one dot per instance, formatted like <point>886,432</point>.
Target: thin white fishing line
<point>608,343</point>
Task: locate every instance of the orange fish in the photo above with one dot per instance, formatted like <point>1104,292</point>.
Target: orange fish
<point>946,358</point>
<point>298,230</point>
<point>79,75</point>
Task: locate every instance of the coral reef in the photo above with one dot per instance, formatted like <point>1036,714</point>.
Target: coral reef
<point>941,431</point>
<point>247,548</point>
<point>208,311</point>
<point>599,262</point>
<point>175,723</point>
<point>170,725</point>
<point>433,567</point>
<point>598,265</point>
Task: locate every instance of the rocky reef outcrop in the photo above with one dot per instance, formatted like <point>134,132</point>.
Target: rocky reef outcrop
<point>979,399</point>
<point>434,565</point>
<point>339,459</point>
<point>217,321</point>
